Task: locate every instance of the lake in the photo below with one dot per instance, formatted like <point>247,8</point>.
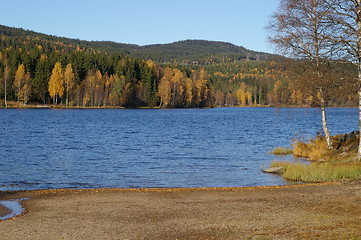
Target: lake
<point>136,148</point>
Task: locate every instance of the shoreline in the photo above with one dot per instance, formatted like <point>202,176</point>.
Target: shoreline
<point>60,106</point>
<point>9,194</point>
<point>304,211</point>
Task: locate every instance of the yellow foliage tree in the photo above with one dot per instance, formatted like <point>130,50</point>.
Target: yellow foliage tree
<point>177,91</point>
<point>22,84</point>
<point>189,91</point>
<point>19,77</point>
<point>165,88</point>
<point>69,82</point>
<point>202,87</point>
<point>241,96</point>
<point>56,87</point>
<point>277,91</point>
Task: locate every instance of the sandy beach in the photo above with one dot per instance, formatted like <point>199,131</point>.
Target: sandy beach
<point>311,211</point>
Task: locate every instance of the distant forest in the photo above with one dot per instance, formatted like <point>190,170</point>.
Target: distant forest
<point>38,68</point>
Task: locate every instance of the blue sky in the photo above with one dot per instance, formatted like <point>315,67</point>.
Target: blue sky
<point>241,22</point>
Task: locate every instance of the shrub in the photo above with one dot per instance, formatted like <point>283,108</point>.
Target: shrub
<point>313,150</point>
<point>301,149</point>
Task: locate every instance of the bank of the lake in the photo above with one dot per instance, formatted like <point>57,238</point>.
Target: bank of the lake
<point>310,211</point>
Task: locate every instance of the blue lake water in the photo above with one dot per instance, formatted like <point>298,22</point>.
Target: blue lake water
<point>118,148</point>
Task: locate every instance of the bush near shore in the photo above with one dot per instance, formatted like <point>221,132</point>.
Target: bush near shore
<point>334,164</point>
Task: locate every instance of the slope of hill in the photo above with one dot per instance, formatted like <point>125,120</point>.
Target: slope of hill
<point>188,51</point>
<point>201,51</point>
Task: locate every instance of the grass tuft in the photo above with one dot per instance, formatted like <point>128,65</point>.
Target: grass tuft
<point>318,172</point>
<point>282,151</point>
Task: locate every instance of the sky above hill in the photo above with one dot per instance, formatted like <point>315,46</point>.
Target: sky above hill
<point>142,22</point>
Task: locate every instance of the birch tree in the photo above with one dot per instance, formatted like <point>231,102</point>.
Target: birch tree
<point>299,30</point>
<point>346,21</point>
<point>6,79</point>
<point>69,83</point>
<point>22,84</point>
<point>56,87</point>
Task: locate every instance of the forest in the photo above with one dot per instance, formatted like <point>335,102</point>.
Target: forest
<point>42,69</point>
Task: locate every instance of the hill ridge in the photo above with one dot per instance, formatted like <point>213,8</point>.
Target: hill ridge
<point>189,50</point>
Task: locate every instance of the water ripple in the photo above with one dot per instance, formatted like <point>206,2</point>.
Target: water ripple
<point>151,148</point>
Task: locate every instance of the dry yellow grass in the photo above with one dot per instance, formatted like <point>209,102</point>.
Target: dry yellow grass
<point>313,150</point>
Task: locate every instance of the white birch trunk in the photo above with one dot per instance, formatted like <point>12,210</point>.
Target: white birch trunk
<point>324,122</point>
<point>67,95</point>
<point>5,91</point>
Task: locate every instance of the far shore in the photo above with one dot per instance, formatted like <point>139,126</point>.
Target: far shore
<point>62,106</point>
<point>306,211</point>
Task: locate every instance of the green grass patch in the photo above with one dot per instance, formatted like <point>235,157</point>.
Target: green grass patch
<point>319,172</point>
<point>282,151</point>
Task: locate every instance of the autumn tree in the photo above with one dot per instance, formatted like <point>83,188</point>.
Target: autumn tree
<point>56,87</point>
<point>241,96</point>
<point>189,92</point>
<point>249,98</point>
<point>22,84</point>
<point>18,81</point>
<point>6,80</point>
<point>69,82</point>
<point>165,88</point>
<point>299,30</point>
<point>178,89</point>
<point>202,87</point>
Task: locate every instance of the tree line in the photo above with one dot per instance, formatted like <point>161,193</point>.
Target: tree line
<point>96,80</point>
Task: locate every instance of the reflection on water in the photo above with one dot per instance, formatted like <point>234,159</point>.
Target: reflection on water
<point>44,148</point>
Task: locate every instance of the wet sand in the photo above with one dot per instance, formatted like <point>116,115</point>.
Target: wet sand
<point>316,211</point>
<point>3,211</point>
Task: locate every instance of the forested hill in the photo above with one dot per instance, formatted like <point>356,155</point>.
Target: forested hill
<point>199,51</point>
<point>36,67</point>
<point>184,52</point>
